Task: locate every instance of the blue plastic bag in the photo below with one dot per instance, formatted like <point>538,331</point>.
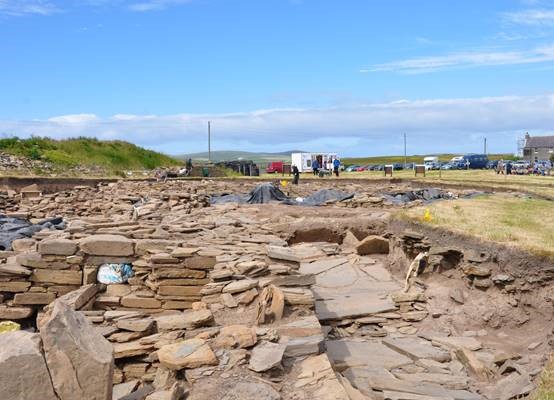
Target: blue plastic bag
<point>115,273</point>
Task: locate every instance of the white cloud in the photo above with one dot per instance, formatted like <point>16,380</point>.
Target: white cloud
<point>454,125</point>
<point>155,5</point>
<point>466,60</point>
<point>16,8</point>
<point>74,119</point>
<point>532,17</point>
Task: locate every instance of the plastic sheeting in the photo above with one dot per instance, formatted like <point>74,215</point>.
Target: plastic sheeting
<point>267,193</point>
<point>114,273</point>
<point>422,194</point>
<point>18,228</point>
<point>325,196</point>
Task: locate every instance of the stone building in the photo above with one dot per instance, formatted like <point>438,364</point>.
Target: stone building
<point>538,147</point>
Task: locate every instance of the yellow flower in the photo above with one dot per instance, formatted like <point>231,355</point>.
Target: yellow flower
<point>427,217</point>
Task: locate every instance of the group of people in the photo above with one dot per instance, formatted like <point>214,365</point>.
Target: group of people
<point>510,169</point>
<point>503,168</point>
<point>161,174</point>
<point>332,166</point>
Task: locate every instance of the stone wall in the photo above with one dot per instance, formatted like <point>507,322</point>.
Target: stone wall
<point>167,275</point>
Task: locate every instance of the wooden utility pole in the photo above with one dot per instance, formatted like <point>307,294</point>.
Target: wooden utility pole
<point>485,146</point>
<point>209,142</point>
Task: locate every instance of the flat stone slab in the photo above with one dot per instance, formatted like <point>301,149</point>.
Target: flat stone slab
<point>319,266</point>
<point>445,380</point>
<point>266,355</point>
<point>393,384</point>
<point>191,353</point>
<point>299,253</point>
<point>356,305</point>
<point>457,342</point>
<point>416,348</point>
<point>351,353</point>
<point>511,387</point>
<point>391,395</point>
<point>377,272</point>
<point>340,277</point>
<point>346,279</point>
<point>302,337</point>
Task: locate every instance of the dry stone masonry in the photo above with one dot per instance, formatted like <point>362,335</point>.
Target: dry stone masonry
<point>261,302</point>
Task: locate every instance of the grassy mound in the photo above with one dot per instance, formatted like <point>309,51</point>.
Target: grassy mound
<point>110,155</point>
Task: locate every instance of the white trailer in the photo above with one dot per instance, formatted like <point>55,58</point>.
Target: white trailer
<point>304,161</point>
<point>430,160</point>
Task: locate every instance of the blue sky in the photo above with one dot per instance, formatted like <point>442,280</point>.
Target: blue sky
<point>273,75</point>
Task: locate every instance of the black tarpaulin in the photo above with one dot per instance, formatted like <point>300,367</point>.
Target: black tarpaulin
<point>267,193</point>
<point>18,228</point>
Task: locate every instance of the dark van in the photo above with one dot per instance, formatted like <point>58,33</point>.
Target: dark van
<point>476,161</point>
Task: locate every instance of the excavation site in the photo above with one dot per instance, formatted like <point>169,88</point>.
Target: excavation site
<point>220,289</point>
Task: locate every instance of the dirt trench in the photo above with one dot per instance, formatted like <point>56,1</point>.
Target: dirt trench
<point>495,300</point>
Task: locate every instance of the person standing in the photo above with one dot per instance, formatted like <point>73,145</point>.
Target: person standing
<point>295,174</point>
<point>336,166</point>
<point>315,167</point>
<point>189,166</point>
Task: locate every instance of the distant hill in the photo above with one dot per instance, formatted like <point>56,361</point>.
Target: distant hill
<point>110,155</point>
<point>238,155</point>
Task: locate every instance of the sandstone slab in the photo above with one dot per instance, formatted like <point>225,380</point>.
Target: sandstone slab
<point>107,245</point>
<point>76,353</point>
<point>59,247</point>
<point>23,372</point>
<point>191,353</point>
<point>184,320</point>
<point>266,356</point>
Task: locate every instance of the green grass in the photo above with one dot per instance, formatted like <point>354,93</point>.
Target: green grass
<point>525,223</point>
<point>545,391</point>
<point>473,179</point>
<point>113,156</point>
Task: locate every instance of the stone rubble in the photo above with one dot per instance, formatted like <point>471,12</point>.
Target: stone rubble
<point>224,305</point>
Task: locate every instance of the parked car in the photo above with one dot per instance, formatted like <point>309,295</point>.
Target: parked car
<point>351,168</point>
<point>492,164</point>
<point>432,165</point>
<point>398,166</point>
<point>475,161</point>
<point>449,165</point>
<point>274,167</point>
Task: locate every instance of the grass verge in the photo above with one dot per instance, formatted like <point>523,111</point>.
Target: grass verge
<point>524,223</point>
<point>110,155</point>
<point>545,391</point>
